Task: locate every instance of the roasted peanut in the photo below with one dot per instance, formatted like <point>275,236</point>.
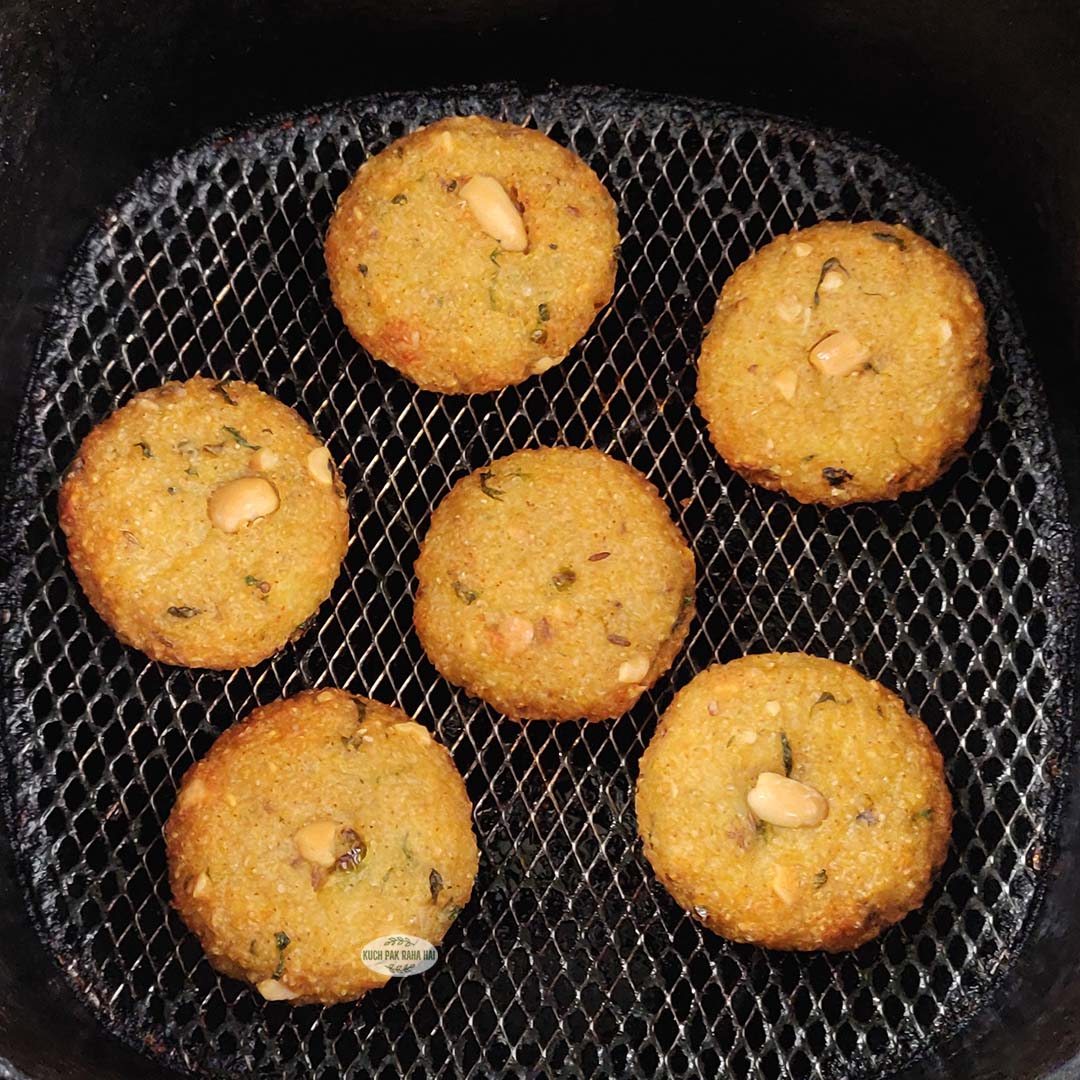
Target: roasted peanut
<point>264,458</point>
<point>315,842</point>
<point>318,466</point>
<point>787,382</point>
<point>273,990</point>
<point>495,213</point>
<point>516,634</point>
<point>840,353</point>
<point>240,502</point>
<point>635,669</point>
<point>779,800</point>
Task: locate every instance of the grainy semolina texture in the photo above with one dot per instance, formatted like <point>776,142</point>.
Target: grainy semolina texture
<point>401,837</point>
<point>554,585</point>
<point>134,506</point>
<point>831,886</point>
<point>895,423</point>
<point>424,288</point>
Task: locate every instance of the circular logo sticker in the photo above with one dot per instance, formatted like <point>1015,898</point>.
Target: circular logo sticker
<point>399,955</point>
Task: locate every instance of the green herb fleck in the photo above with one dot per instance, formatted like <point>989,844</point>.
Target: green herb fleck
<point>684,606</point>
<point>467,596</point>
<point>890,238</point>
<point>543,312</point>
<point>281,943</point>
<point>492,298</point>
<point>146,451</point>
<point>435,883</point>
<point>240,440</point>
<point>452,912</point>
<point>362,267</point>
<point>785,750</point>
<point>809,457</point>
<point>835,477</point>
<point>400,198</point>
<point>184,612</point>
<point>820,878</point>
<point>564,578</point>
<point>303,628</point>
<point>923,815</point>
<point>490,492</point>
<point>257,583</point>
<point>829,264</point>
<point>220,388</point>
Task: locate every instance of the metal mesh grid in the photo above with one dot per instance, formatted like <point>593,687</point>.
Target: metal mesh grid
<point>570,958</point>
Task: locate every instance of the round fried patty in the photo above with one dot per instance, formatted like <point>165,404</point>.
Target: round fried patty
<point>318,825</point>
<point>831,884</point>
<point>554,585</point>
<point>844,363</point>
<point>158,511</point>
<point>423,285</point>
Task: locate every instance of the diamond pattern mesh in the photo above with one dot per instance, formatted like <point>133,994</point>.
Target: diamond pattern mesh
<point>570,960</point>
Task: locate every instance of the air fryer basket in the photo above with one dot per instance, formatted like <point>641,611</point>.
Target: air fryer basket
<point>570,960</point>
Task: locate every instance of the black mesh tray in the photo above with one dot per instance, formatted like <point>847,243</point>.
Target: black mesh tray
<point>570,960</point>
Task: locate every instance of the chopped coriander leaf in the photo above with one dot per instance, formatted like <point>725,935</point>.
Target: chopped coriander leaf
<point>240,440</point>
<point>544,313</point>
<point>490,492</point>
<point>435,884</point>
<point>829,264</point>
<point>835,477</point>
<point>467,596</point>
<point>184,612</point>
<point>564,578</point>
<point>281,943</point>
<point>890,238</point>
<point>220,388</point>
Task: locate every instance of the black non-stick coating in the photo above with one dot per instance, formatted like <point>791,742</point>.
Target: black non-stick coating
<point>570,959</point>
